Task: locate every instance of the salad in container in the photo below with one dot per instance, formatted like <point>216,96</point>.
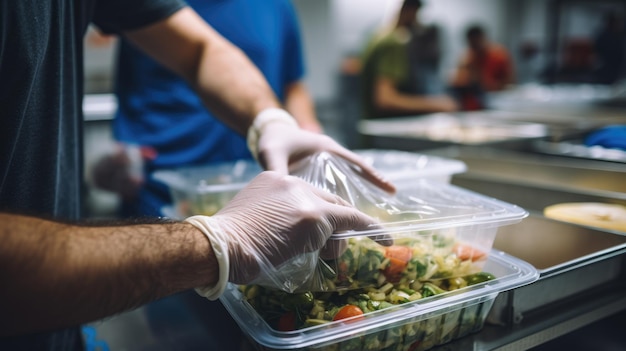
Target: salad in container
<point>376,319</point>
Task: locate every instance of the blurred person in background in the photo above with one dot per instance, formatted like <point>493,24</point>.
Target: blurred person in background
<point>484,67</point>
<point>425,58</point>
<point>160,113</point>
<point>398,71</point>
<point>57,272</point>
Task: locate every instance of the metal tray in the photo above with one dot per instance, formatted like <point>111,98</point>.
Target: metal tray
<point>541,172</point>
<point>589,104</point>
<point>577,149</point>
<point>443,129</point>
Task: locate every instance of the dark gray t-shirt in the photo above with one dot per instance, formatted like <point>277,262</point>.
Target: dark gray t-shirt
<point>41,89</point>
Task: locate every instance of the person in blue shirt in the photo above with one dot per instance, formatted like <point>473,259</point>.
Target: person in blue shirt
<point>160,111</point>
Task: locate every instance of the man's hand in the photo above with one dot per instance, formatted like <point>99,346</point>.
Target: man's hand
<point>281,144</point>
<point>273,219</point>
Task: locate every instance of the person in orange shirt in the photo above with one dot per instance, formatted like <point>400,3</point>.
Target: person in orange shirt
<point>484,67</point>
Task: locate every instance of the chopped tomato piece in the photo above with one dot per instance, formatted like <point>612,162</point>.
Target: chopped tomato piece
<point>394,269</point>
<point>466,252</point>
<point>402,253</point>
<point>399,257</point>
<point>348,311</point>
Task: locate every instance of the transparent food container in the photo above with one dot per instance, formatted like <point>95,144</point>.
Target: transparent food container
<point>398,166</point>
<point>415,325</point>
<point>204,190</point>
<point>436,230</point>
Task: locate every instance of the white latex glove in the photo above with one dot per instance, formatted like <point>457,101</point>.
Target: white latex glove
<point>276,141</point>
<point>273,219</point>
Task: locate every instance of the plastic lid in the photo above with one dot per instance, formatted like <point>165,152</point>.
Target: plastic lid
<point>427,205</point>
<point>419,204</point>
<point>219,177</point>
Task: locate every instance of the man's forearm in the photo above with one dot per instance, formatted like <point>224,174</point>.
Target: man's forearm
<point>55,275</point>
<point>299,103</point>
<point>242,91</point>
<point>228,83</point>
<point>388,98</point>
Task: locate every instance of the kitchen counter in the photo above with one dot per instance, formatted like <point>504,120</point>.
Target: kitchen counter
<point>581,289</point>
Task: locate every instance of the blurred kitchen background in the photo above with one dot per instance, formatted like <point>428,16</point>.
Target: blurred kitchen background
<point>538,34</point>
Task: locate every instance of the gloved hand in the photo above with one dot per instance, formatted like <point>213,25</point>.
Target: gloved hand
<point>274,219</point>
<point>277,142</point>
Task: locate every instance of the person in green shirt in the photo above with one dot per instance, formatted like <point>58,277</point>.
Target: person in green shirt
<point>388,79</point>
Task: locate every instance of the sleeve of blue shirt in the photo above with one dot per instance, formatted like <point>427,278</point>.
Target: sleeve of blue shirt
<point>293,52</point>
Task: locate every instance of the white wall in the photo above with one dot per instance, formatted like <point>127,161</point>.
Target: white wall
<point>356,20</point>
<point>320,48</point>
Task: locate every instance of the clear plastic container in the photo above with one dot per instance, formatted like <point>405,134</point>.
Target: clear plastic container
<point>416,325</point>
<point>403,165</point>
<point>204,190</point>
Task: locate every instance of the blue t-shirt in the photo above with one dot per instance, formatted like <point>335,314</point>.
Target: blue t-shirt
<point>159,109</point>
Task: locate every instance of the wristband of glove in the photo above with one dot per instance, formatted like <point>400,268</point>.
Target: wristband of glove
<point>220,249</point>
<point>265,117</point>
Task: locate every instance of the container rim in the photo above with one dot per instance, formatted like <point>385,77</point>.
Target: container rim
<point>505,214</point>
<point>426,225</point>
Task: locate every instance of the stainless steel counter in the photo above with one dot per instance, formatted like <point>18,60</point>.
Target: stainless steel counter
<point>582,269</point>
